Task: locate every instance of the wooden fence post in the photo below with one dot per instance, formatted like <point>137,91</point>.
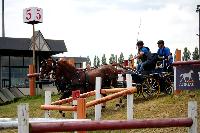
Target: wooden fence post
<point>192,113</point>
<point>98,107</point>
<point>178,58</point>
<point>75,95</point>
<point>81,110</point>
<point>47,102</point>
<point>129,98</point>
<point>23,118</point>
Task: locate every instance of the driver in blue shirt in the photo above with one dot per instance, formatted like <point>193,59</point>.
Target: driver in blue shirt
<point>164,54</point>
<point>144,54</point>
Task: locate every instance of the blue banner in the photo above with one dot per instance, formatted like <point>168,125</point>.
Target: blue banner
<point>188,77</point>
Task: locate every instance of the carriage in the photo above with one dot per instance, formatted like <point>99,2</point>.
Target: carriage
<point>151,82</point>
<point>156,78</point>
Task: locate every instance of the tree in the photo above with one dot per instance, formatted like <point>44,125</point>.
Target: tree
<point>103,59</point>
<point>88,61</point>
<point>195,54</point>
<point>95,61</point>
<point>121,58</point>
<point>112,58</point>
<point>98,61</point>
<point>186,54</point>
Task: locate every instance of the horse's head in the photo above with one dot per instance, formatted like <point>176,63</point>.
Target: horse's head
<point>65,69</point>
<point>47,68</point>
<point>109,75</point>
<point>68,78</point>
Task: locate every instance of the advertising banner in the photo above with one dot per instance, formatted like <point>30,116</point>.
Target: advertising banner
<point>188,77</point>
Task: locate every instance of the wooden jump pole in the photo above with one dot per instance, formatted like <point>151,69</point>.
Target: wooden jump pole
<point>113,90</point>
<point>190,122</point>
<point>88,94</point>
<point>110,125</point>
<point>68,100</point>
<point>58,107</point>
<point>110,97</point>
<point>91,103</point>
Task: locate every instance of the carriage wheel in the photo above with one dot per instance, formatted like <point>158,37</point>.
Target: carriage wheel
<point>139,90</point>
<point>168,85</point>
<point>154,86</point>
<point>146,89</point>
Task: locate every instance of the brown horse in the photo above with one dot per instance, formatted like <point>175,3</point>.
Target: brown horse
<point>86,79</point>
<point>69,78</point>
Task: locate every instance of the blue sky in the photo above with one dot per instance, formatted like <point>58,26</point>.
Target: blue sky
<point>97,27</point>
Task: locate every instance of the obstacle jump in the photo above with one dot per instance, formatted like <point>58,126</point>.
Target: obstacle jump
<point>118,92</point>
<point>26,126</point>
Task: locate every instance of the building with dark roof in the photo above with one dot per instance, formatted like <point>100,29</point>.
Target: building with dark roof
<point>16,56</point>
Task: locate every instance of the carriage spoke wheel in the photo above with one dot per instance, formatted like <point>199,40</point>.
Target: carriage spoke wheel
<point>146,89</point>
<point>168,86</point>
<point>139,91</point>
<point>153,86</point>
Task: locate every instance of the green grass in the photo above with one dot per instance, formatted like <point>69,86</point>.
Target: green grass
<point>158,107</point>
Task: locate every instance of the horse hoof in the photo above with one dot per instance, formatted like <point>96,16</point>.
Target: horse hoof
<point>103,107</point>
<point>117,105</point>
<point>123,105</point>
<point>116,108</point>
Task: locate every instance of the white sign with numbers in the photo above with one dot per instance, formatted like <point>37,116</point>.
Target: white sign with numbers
<point>33,15</point>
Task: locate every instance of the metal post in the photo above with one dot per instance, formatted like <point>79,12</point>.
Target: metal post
<point>33,42</point>
<point>199,33</point>
<point>3,26</point>
<point>198,11</point>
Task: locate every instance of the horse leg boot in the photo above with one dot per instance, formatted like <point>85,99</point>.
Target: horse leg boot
<point>119,104</point>
<point>104,104</point>
<point>64,95</point>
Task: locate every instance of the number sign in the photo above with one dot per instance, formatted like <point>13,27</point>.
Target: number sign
<point>33,15</point>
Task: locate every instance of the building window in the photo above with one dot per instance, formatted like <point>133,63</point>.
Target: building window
<point>16,61</point>
<point>5,76</point>
<point>4,71</point>
<point>19,77</point>
<point>28,61</point>
<point>14,75</point>
<point>5,61</point>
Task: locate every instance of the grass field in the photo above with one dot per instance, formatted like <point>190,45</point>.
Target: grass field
<point>159,107</point>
